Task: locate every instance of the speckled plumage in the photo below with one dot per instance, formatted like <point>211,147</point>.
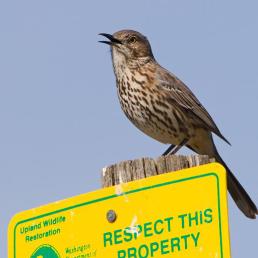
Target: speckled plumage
<point>163,107</point>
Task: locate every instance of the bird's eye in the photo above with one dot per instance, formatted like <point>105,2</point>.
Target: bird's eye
<point>132,40</point>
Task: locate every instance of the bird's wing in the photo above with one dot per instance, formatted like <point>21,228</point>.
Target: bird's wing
<point>183,97</point>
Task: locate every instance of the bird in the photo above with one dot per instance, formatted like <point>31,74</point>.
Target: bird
<point>164,108</point>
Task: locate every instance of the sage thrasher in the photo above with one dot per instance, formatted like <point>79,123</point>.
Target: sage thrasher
<point>163,107</point>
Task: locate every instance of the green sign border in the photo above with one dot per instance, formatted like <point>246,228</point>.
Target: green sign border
<point>131,192</point>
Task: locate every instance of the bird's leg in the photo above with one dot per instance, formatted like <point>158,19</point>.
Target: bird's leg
<point>170,148</point>
<point>173,149</point>
<point>178,147</point>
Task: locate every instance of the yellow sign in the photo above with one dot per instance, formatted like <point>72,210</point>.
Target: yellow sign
<point>179,214</point>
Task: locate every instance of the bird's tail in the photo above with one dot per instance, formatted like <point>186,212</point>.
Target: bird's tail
<point>237,191</point>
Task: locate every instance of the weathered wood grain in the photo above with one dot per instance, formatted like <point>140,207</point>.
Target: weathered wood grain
<point>131,170</point>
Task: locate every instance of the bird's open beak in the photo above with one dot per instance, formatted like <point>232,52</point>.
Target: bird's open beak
<point>112,41</point>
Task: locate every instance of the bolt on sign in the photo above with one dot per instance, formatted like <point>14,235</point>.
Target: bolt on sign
<point>179,214</point>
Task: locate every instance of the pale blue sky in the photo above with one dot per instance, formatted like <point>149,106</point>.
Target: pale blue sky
<point>60,117</point>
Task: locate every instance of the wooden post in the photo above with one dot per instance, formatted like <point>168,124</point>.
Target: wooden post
<point>131,170</point>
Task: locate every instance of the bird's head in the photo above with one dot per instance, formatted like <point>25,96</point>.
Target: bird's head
<point>131,44</point>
